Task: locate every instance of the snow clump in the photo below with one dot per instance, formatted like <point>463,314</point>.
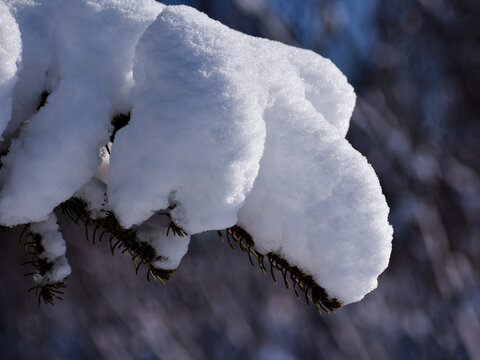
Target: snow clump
<point>10,51</point>
<point>53,251</point>
<point>85,63</point>
<point>224,129</point>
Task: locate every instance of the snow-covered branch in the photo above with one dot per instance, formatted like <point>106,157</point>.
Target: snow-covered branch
<point>225,131</point>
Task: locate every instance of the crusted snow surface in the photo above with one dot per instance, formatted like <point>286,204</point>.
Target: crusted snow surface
<point>86,66</point>
<point>10,52</point>
<point>54,251</point>
<point>225,128</point>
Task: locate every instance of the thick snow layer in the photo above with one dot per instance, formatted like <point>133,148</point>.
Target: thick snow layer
<point>316,200</point>
<point>225,128</point>
<point>201,82</point>
<point>37,51</point>
<point>54,251</point>
<point>89,73</point>
<point>10,52</point>
<point>196,126</point>
<point>318,203</point>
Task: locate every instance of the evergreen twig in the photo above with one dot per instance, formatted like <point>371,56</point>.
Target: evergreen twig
<point>313,292</point>
<point>125,240</point>
<point>46,291</point>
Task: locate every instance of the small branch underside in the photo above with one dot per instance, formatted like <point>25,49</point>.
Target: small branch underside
<point>142,253</point>
<point>125,240</point>
<point>312,292</point>
<point>47,292</point>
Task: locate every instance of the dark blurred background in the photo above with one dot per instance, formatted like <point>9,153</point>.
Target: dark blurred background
<point>415,68</point>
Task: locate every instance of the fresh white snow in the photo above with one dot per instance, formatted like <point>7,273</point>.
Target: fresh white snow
<point>10,51</point>
<point>225,129</point>
<point>88,71</point>
<point>196,125</point>
<point>54,251</point>
<point>170,247</point>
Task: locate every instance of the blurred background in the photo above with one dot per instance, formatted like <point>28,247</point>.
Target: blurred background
<point>415,67</point>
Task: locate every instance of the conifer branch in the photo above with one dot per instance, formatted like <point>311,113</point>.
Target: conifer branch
<point>125,240</point>
<point>313,292</point>
<point>46,290</point>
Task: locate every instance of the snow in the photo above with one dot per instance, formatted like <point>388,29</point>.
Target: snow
<point>196,126</point>
<point>10,52</point>
<point>37,51</point>
<point>318,203</point>
<point>201,82</point>
<point>54,251</point>
<point>225,129</point>
<point>94,194</point>
<point>89,71</point>
<point>170,247</point>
